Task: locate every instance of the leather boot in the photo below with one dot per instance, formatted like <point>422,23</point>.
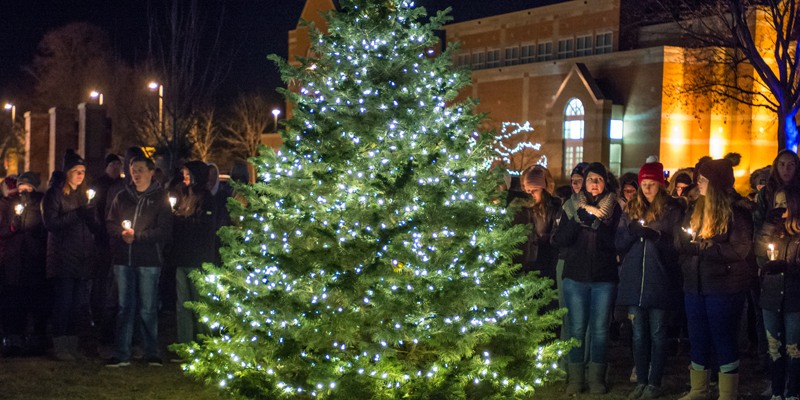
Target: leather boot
<point>61,349</point>
<point>73,349</point>
<point>597,378</point>
<point>575,379</point>
<point>699,386</point>
<point>728,386</point>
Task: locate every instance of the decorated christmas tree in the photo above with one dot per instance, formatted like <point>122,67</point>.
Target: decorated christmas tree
<point>372,257</point>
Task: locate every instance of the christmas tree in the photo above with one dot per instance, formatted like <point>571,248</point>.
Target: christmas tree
<point>372,257</point>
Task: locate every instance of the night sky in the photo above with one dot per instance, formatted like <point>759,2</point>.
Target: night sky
<point>256,28</point>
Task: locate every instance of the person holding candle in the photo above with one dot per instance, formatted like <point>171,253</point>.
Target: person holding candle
<point>650,278</point>
<point>22,269</point>
<point>716,276</point>
<point>139,223</point>
<point>585,230</point>
<point>778,242</point>
<point>71,224</point>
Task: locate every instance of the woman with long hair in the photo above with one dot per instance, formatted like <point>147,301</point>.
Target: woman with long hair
<point>779,242</point>
<point>585,230</point>
<point>70,220</point>
<point>716,276</point>
<point>785,170</point>
<point>650,276</point>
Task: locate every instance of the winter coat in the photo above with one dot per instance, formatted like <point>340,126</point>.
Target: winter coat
<point>590,254</point>
<point>25,241</point>
<point>650,275</point>
<point>194,228</point>
<point>151,219</point>
<point>724,264</point>
<point>71,224</point>
<point>780,289</point>
<point>537,252</point>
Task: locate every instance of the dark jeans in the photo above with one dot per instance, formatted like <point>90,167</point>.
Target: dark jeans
<point>783,333</point>
<point>589,308</point>
<point>714,324</point>
<point>649,343</point>
<point>189,325</point>
<point>138,299</point>
<point>68,294</point>
<point>18,302</point>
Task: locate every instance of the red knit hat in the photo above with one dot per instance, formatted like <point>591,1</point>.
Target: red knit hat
<point>719,173</point>
<point>653,171</point>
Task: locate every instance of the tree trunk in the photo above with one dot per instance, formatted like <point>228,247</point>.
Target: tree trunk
<point>787,130</point>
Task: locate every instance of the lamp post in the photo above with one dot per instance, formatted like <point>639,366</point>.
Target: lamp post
<point>154,86</point>
<point>97,95</point>
<point>276,112</point>
<point>13,109</point>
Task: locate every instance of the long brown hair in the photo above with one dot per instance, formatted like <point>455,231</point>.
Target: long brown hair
<point>638,208</point>
<point>80,189</point>
<point>711,213</point>
<point>792,194</point>
<point>775,183</point>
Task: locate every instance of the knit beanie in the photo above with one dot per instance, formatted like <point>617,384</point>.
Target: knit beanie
<point>597,168</point>
<point>686,179</point>
<point>719,173</point>
<point>29,178</point>
<point>579,169</point>
<point>9,186</point>
<point>653,171</point>
<point>199,172</point>
<point>535,178</point>
<point>71,159</point>
<point>111,158</point>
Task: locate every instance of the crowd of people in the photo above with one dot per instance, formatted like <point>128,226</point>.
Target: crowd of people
<point>105,255</point>
<point>687,253</point>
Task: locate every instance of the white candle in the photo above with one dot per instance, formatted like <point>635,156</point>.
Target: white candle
<point>19,208</point>
<point>173,201</point>
<point>641,222</point>
<point>771,246</point>
<point>90,194</point>
<point>126,224</point>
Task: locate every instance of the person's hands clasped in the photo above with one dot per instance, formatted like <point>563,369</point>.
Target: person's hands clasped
<point>127,235</point>
<point>643,232</point>
<point>586,217</point>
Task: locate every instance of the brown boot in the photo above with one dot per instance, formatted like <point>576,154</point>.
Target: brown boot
<point>728,386</point>
<point>597,378</point>
<point>699,386</point>
<point>577,372</point>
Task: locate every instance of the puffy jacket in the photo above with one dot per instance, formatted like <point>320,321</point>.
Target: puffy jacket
<point>194,228</point>
<point>724,264</point>
<point>70,224</point>
<point>650,276</point>
<point>25,240</point>
<point>589,251</point>
<point>151,219</point>
<point>537,252</point>
<point>780,289</point>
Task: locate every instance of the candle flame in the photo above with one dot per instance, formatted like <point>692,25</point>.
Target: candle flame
<point>771,246</point>
<point>126,224</point>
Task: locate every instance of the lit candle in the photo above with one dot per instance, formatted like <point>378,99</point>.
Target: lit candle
<point>641,222</point>
<point>771,246</point>
<point>90,194</point>
<point>19,208</point>
<point>772,254</point>
<point>173,201</point>
<point>126,224</point>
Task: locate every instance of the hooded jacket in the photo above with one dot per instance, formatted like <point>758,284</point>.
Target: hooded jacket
<point>724,264</point>
<point>195,223</point>
<point>537,252</point>
<point>25,240</point>
<point>650,276</point>
<point>70,223</point>
<point>780,289</point>
<point>151,219</point>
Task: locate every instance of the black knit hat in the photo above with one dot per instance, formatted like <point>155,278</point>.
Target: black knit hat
<point>199,172</point>
<point>719,173</point>
<point>111,158</point>
<point>578,170</point>
<point>597,168</point>
<point>71,159</point>
<point>29,178</point>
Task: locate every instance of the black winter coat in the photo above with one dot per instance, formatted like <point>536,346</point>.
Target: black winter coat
<point>151,219</point>
<point>724,264</point>
<point>650,276</point>
<point>25,241</point>
<point>194,228</point>
<point>589,253</point>
<point>71,224</point>
<point>537,252</point>
<point>780,289</point>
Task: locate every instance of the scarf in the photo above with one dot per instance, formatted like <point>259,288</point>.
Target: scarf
<point>603,210</point>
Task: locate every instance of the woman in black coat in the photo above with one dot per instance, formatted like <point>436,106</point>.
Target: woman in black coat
<point>650,278</point>
<point>70,222</point>
<point>780,290</point>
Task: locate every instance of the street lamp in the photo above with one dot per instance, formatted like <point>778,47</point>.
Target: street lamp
<point>97,95</point>
<point>154,86</point>
<point>13,109</point>
<point>276,112</point>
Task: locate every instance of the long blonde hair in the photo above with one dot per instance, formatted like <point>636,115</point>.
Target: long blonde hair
<point>711,213</point>
<point>637,207</point>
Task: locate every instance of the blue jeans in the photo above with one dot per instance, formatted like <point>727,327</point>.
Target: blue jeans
<point>189,325</point>
<point>138,298</point>
<point>783,334</point>
<point>589,308</point>
<point>714,324</point>
<point>68,295</point>
<point>649,343</point>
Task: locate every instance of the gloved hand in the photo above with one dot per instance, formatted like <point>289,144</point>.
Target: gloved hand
<point>643,232</point>
<point>86,214</point>
<point>775,216</point>
<point>775,267</point>
<point>585,217</point>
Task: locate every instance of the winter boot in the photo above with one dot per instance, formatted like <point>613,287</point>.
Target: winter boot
<point>728,386</point>
<point>61,349</point>
<point>73,348</point>
<point>577,372</point>
<point>699,386</point>
<point>597,378</point>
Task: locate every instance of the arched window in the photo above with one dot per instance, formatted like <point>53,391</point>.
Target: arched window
<point>573,135</point>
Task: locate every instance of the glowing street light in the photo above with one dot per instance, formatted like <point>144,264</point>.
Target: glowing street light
<point>276,112</point>
<point>97,95</point>
<point>154,86</point>
<point>13,109</point>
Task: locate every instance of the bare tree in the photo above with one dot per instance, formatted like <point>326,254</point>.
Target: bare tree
<point>745,51</point>
<point>204,135</point>
<point>250,119</point>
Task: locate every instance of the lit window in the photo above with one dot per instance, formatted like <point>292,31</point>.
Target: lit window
<point>492,58</point>
<point>583,46</point>
<point>528,54</point>
<point>478,61</point>
<point>573,135</point>
<point>615,130</point>
<point>603,43</point>
<point>615,158</point>
<point>545,51</point>
<point>512,56</point>
<point>564,48</point>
